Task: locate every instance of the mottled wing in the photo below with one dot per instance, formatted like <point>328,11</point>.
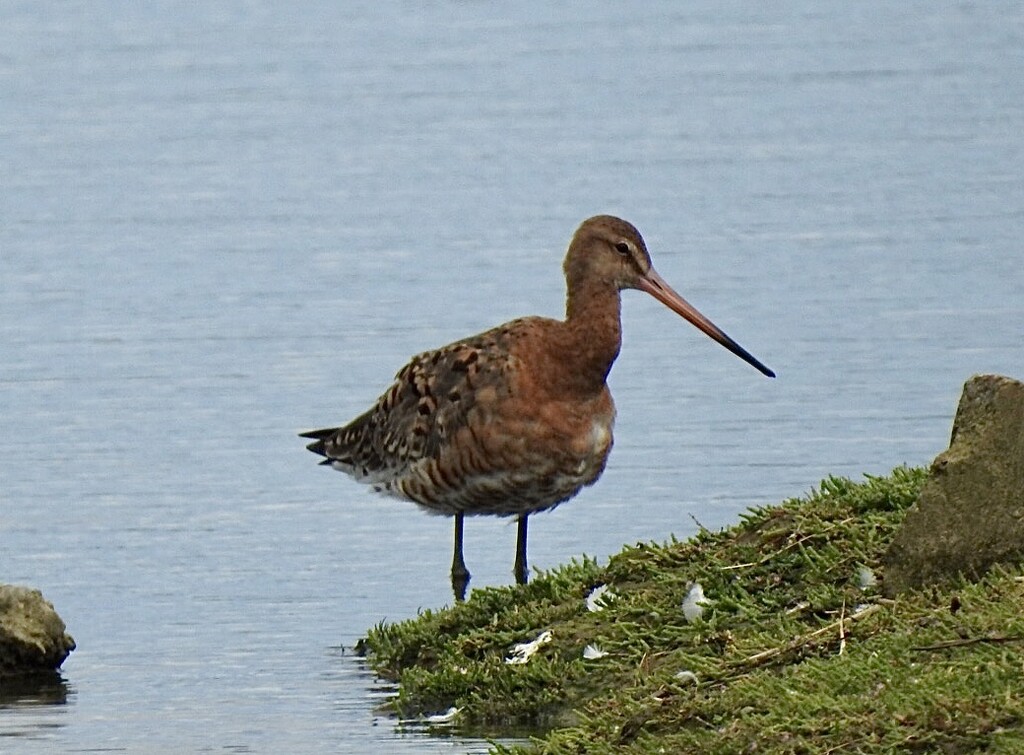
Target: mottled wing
<point>432,397</point>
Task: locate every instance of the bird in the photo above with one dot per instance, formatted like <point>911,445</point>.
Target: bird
<point>517,419</point>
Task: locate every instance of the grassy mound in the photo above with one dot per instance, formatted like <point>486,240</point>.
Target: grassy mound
<point>793,651</point>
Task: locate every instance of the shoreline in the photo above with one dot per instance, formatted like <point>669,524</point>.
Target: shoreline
<point>773,634</point>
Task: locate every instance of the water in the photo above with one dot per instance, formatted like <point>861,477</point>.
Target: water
<point>224,223</point>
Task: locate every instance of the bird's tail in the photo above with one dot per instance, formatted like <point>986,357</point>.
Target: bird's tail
<point>320,439</point>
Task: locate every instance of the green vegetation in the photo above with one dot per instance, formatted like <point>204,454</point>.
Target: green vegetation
<point>795,652</point>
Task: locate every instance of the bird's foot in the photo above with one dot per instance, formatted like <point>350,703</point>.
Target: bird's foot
<point>521,572</point>
<point>460,582</point>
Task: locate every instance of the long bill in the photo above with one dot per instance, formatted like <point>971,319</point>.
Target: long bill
<point>656,286</point>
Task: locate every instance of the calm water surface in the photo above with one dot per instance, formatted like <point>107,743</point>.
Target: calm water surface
<point>224,223</point>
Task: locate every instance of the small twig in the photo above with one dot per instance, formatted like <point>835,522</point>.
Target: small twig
<point>766,655</point>
<point>794,544</point>
<point>844,745</point>
<point>997,639</point>
<point>842,628</point>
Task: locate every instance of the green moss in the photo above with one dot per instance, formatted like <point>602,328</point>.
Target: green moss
<point>792,653</point>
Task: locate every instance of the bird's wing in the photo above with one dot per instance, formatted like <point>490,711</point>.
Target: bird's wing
<point>432,398</point>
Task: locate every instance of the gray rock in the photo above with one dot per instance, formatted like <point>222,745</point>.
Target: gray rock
<point>970,513</point>
<point>32,636</point>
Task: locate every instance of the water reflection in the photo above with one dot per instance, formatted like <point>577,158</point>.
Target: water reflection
<point>36,689</point>
<point>31,706</point>
<point>349,668</point>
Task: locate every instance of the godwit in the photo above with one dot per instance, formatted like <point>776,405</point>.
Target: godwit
<point>517,419</point>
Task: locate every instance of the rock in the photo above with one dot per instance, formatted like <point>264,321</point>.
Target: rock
<point>970,513</point>
<point>33,639</point>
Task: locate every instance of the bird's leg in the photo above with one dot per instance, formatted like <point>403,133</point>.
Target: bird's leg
<point>460,574</point>
<point>520,570</point>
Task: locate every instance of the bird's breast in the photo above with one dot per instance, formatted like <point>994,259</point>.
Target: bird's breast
<point>589,441</point>
<point>592,442</point>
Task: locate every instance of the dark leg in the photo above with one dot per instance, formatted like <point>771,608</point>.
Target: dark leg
<point>460,574</point>
<point>520,569</point>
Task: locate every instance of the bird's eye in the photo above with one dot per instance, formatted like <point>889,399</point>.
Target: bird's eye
<point>622,248</point>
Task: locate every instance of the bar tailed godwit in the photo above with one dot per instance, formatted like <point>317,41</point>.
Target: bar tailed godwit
<point>517,419</point>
